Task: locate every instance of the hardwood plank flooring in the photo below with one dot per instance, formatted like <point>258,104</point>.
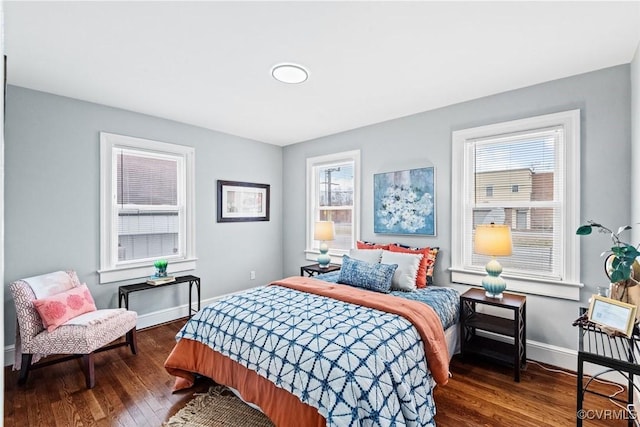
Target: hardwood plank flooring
<point>135,390</point>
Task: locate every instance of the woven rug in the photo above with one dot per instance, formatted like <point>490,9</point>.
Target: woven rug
<point>217,408</point>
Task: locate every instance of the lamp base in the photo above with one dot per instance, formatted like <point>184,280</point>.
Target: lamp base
<point>324,258</point>
<point>492,283</point>
<point>494,296</point>
<point>323,261</point>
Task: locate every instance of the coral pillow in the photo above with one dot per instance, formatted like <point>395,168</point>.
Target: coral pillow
<point>368,245</point>
<point>61,307</point>
<point>425,270</point>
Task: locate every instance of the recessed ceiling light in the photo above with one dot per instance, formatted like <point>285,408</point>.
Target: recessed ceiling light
<point>289,73</point>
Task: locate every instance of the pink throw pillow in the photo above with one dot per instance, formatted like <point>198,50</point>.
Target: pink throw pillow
<point>61,307</point>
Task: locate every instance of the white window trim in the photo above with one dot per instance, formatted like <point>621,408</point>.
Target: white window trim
<point>312,253</point>
<point>109,272</point>
<point>567,288</point>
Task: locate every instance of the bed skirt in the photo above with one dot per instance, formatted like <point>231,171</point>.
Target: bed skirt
<point>283,408</point>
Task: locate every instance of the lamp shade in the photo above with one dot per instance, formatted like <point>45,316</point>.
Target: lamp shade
<point>493,240</point>
<point>323,231</point>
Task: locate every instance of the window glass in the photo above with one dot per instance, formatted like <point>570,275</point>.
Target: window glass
<point>333,195</point>
<point>525,174</point>
<point>335,201</point>
<point>148,211</point>
<point>147,206</point>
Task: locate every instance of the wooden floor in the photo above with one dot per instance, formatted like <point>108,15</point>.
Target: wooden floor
<point>136,391</point>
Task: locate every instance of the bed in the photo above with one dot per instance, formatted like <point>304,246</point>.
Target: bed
<point>312,352</point>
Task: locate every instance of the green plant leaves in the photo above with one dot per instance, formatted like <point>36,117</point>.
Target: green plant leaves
<point>623,254</point>
<point>584,230</point>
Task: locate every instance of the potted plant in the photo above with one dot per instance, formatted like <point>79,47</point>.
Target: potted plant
<point>620,263</point>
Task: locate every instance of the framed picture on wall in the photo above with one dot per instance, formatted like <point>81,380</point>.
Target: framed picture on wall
<point>242,201</point>
<point>404,202</point>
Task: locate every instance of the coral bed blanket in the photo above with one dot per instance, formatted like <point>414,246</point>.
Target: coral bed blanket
<point>303,347</point>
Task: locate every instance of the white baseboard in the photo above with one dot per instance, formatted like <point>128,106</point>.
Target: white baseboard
<point>144,321</point>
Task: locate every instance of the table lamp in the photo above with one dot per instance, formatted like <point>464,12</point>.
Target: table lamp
<point>493,240</point>
<point>324,231</point>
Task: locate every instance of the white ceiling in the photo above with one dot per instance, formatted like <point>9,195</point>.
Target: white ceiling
<point>208,63</point>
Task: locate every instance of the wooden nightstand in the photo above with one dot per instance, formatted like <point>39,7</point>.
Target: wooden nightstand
<point>497,350</point>
<point>315,269</point>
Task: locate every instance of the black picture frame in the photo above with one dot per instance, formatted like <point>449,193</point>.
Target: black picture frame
<point>243,201</point>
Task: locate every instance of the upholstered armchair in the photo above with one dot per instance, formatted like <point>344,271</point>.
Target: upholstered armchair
<point>57,315</point>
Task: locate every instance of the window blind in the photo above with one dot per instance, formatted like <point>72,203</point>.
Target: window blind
<point>148,212</point>
<point>517,180</point>
<point>144,180</point>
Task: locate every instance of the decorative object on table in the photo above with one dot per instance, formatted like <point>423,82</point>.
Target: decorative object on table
<point>242,201</point>
<point>153,280</point>
<point>161,268</point>
<point>404,202</point>
<point>160,277</point>
<point>620,264</point>
<point>613,316</point>
<point>324,231</point>
<point>493,240</point>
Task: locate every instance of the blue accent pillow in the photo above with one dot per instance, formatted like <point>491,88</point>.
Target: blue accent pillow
<point>374,277</point>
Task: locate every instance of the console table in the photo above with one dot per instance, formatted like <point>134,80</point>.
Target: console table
<point>124,291</point>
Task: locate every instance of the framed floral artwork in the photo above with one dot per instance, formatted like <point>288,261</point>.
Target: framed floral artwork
<point>404,202</point>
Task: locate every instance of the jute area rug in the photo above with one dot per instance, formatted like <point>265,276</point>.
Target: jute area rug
<point>217,408</point>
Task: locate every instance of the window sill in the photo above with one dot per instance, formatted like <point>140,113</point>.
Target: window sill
<point>137,272</point>
<point>535,286</point>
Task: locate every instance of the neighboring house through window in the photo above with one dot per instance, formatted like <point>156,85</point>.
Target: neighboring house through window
<point>489,190</point>
<point>532,169</point>
<point>147,206</point>
<point>333,194</point>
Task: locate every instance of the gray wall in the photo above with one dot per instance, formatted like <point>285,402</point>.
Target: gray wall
<point>424,139</point>
<point>52,199</point>
<point>52,177</point>
<point>635,144</point>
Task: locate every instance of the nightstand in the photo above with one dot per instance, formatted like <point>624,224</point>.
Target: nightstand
<point>473,344</point>
<point>315,269</point>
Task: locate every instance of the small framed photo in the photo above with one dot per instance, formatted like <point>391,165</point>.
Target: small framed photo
<point>242,201</point>
<point>616,315</point>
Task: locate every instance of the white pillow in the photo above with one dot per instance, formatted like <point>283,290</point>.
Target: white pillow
<point>372,256</point>
<point>404,279</point>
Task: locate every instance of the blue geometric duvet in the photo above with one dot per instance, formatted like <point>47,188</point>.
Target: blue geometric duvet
<point>358,366</point>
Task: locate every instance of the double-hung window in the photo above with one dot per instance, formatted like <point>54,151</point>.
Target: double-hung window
<point>531,167</point>
<point>147,206</point>
<point>333,194</point>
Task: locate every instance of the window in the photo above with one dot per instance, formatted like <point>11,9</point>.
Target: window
<point>333,194</point>
<point>488,191</point>
<point>532,167</point>
<point>147,210</point>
